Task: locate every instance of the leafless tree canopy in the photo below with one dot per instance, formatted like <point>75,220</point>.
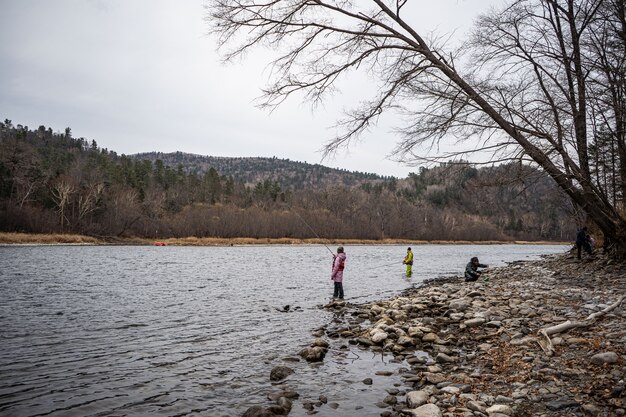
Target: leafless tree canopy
<point>539,80</point>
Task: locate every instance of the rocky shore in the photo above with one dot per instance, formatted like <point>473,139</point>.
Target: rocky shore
<point>536,338</point>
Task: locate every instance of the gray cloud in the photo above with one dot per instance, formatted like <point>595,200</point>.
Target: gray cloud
<point>141,75</point>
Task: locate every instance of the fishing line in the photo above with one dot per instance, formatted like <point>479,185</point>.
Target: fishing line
<point>310,228</point>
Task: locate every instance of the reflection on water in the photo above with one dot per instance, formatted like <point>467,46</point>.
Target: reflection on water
<point>136,331</point>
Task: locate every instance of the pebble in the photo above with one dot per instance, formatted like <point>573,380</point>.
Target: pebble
<point>473,350</point>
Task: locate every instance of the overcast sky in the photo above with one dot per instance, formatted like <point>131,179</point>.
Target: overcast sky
<point>142,75</point>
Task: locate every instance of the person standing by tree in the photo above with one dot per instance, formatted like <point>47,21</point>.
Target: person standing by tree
<point>471,269</point>
<point>408,261</point>
<point>339,261</point>
<point>583,241</point>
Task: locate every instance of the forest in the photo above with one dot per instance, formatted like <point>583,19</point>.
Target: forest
<point>51,182</point>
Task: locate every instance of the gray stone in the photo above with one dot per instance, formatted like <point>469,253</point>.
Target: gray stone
<point>429,337</point>
<point>474,322</point>
<point>415,399</point>
<point>459,305</point>
<point>368,381</point>
<point>284,403</point>
<point>280,372</point>
<point>320,343</point>
<point>591,410</point>
<point>561,404</point>
<point>479,406</point>
<point>443,358</point>
<point>405,341</point>
<point>606,357</point>
<point>501,409</point>
<point>427,410</point>
<point>258,411</point>
<point>313,354</point>
<point>379,336</point>
<point>390,399</point>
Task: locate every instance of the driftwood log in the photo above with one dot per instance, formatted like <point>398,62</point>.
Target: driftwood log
<point>544,334</point>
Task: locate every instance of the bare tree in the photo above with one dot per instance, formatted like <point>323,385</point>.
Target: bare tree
<point>525,89</point>
<point>61,191</point>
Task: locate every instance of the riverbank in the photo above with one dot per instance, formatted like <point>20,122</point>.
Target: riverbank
<point>69,239</point>
<point>534,338</point>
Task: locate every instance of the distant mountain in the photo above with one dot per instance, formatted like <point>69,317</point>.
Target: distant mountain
<point>291,175</point>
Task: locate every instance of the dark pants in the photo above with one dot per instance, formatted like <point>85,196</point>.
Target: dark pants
<point>585,245</point>
<point>338,290</point>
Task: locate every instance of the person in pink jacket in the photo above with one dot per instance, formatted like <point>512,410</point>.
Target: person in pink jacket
<point>339,262</point>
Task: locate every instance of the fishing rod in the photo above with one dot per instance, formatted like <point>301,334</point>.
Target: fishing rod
<point>310,228</point>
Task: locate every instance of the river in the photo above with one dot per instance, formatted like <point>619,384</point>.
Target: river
<point>175,331</point>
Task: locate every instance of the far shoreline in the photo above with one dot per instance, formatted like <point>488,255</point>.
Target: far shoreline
<point>29,239</point>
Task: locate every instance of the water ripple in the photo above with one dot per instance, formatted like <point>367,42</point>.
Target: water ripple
<point>135,331</point>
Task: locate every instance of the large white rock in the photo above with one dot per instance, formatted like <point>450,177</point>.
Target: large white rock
<point>500,409</point>
<point>427,410</point>
<point>415,399</point>
<point>379,336</point>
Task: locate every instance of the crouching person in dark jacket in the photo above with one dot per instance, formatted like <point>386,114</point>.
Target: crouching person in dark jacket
<point>471,270</point>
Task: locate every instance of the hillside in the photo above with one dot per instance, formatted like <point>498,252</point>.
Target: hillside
<point>290,175</point>
<point>54,183</point>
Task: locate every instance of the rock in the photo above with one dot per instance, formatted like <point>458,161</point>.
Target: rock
<point>379,336</point>
<point>435,369</point>
<point>479,406</point>
<point>405,341</point>
<point>500,409</point>
<point>429,337</point>
<point>415,399</point>
<point>501,399</point>
<point>443,358</point>
<point>450,390</point>
<point>334,406</point>
<point>390,399</point>
<point>415,331</point>
<point>284,403</point>
<point>561,404</point>
<point>280,372</point>
<point>320,343</point>
<point>591,410</point>
<point>457,316</point>
<point>434,378</point>
<point>275,396</point>
<point>606,357</point>
<point>384,373</point>
<point>459,305</point>
<point>277,410</point>
<point>427,410</point>
<point>258,411</point>
<point>368,381</point>
<point>313,354</point>
<point>474,322</point>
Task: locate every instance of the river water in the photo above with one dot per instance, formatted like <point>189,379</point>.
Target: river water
<point>175,331</point>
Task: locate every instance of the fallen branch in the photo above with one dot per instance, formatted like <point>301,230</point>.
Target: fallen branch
<point>544,334</point>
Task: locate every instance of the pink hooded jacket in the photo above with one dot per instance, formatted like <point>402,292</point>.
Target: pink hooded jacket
<point>338,265</point>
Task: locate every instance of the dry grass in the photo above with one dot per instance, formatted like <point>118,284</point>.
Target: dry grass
<point>46,239</point>
<point>43,239</point>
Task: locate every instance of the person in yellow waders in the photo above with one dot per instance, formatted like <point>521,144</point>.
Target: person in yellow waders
<point>408,261</point>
